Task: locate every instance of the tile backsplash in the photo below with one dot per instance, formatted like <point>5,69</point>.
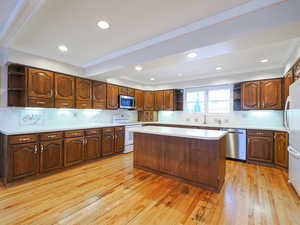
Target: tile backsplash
<point>34,117</point>
<point>253,117</point>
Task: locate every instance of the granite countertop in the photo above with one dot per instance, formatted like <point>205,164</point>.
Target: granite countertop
<point>40,129</point>
<point>181,132</point>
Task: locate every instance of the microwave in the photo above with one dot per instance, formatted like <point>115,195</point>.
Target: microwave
<point>126,102</point>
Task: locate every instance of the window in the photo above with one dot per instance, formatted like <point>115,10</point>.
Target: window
<point>208,100</point>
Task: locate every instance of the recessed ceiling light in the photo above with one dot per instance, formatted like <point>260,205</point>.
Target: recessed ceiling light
<point>264,60</point>
<point>138,68</point>
<point>63,48</point>
<point>192,55</point>
<point>103,24</point>
<point>180,74</point>
<point>219,68</point>
<point>152,78</point>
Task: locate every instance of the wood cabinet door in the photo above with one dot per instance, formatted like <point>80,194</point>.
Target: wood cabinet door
<point>159,100</point>
<point>40,83</point>
<point>23,161</point>
<point>99,95</point>
<point>93,147</point>
<point>297,70</point>
<point>64,87</point>
<point>271,94</point>
<point>260,149</point>
<point>281,149</point>
<point>139,100</point>
<point>123,91</point>
<point>83,90</point>
<point>251,95</point>
<point>73,151</point>
<point>112,96</point>
<point>119,141</point>
<point>51,155</point>
<point>288,80</point>
<point>131,92</point>
<point>148,100</point>
<point>169,100</point>
<point>107,144</point>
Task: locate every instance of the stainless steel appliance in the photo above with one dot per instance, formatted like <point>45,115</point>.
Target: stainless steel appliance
<point>126,102</point>
<point>236,143</point>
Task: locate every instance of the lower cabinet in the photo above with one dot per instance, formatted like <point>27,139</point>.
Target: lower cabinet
<point>51,156</point>
<point>260,147</point>
<point>119,140</point>
<point>73,151</point>
<point>23,161</point>
<point>92,147</point>
<point>281,155</point>
<point>108,143</point>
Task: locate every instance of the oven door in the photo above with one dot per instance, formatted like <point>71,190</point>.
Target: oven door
<point>126,102</point>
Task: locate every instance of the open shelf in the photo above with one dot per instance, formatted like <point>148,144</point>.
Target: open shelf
<point>237,102</point>
<point>16,85</point>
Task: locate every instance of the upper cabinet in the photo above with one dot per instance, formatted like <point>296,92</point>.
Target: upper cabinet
<point>159,100</point>
<point>251,95</point>
<point>297,70</point>
<point>40,88</point>
<point>99,95</point>
<point>148,100</point>
<point>271,94</point>
<point>169,100</point>
<point>64,86</point>
<point>112,96</point>
<point>139,100</point>
<point>126,91</point>
<point>83,93</point>
<point>288,80</point>
<point>265,94</point>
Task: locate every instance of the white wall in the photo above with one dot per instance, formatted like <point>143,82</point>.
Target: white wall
<point>292,59</point>
<point>264,118</point>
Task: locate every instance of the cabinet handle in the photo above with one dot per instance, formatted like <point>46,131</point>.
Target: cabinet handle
<point>35,149</point>
<point>25,139</point>
<point>41,103</point>
<point>51,136</point>
<point>42,148</point>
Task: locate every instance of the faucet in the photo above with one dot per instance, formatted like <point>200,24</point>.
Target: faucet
<point>204,118</point>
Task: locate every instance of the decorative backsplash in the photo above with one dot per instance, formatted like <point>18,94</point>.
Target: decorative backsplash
<point>28,117</point>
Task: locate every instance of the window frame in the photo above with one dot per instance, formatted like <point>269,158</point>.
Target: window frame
<point>206,90</point>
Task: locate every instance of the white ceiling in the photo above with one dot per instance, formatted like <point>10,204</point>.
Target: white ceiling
<point>6,9</point>
<point>74,24</point>
<point>157,35</point>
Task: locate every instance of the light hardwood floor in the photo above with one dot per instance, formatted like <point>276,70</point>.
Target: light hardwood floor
<point>110,192</point>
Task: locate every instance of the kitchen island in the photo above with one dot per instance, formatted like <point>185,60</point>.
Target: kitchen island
<point>194,156</point>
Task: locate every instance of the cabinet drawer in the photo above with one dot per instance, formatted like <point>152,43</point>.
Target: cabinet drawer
<point>23,139</point>
<point>119,128</point>
<point>51,136</point>
<point>74,133</point>
<point>40,102</point>
<point>83,105</point>
<point>265,133</point>
<point>92,132</point>
<point>64,103</point>
<point>108,130</point>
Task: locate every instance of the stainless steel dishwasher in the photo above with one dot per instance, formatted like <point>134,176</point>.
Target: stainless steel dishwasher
<point>236,143</point>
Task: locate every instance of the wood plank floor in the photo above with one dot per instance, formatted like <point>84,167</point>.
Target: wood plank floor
<point>112,192</point>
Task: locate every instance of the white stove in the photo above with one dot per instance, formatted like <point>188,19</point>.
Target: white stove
<point>124,119</point>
